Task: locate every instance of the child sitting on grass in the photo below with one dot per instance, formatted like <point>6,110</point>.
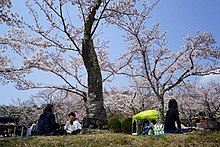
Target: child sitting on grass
<point>72,126</point>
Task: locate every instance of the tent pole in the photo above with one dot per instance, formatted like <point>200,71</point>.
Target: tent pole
<point>136,126</point>
<point>132,128</point>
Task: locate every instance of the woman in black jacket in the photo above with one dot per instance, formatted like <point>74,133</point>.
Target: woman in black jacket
<point>46,122</point>
<point>172,116</point>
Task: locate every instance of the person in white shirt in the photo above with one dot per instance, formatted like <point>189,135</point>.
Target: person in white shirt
<point>72,126</point>
<point>33,129</point>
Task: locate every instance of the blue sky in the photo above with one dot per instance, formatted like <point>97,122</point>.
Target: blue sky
<point>177,17</point>
<point>181,17</point>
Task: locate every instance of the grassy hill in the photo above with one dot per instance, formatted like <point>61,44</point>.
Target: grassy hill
<point>106,138</point>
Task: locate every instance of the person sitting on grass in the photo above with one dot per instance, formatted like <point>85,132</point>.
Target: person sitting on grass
<point>72,126</point>
<point>145,127</point>
<point>172,116</point>
<point>46,123</point>
<point>148,127</point>
<point>33,129</point>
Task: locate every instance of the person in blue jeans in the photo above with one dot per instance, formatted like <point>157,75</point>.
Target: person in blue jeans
<point>148,127</point>
<point>172,117</point>
<point>145,127</point>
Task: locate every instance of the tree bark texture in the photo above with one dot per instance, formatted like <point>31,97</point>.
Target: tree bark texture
<point>96,116</point>
<point>161,109</point>
<point>95,112</point>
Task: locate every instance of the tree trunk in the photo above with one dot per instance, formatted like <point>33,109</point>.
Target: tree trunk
<point>96,116</point>
<point>161,109</point>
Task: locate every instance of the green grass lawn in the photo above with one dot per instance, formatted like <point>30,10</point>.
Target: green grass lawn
<point>106,138</point>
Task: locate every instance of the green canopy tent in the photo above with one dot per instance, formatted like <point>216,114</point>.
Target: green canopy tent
<point>148,114</point>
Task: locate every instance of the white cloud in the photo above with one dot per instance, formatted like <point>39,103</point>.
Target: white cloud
<point>209,78</point>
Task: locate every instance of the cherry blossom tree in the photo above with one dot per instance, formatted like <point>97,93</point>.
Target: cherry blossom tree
<point>120,102</point>
<point>6,16</point>
<point>58,38</point>
<point>64,103</point>
<point>201,98</point>
<point>5,3</point>
<point>148,57</point>
<point>61,40</point>
<point>29,110</point>
<point>24,112</point>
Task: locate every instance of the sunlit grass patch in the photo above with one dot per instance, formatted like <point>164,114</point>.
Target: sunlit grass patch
<point>106,139</point>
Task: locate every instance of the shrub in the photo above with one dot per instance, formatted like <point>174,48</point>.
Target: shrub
<point>114,124</point>
<point>126,125</point>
